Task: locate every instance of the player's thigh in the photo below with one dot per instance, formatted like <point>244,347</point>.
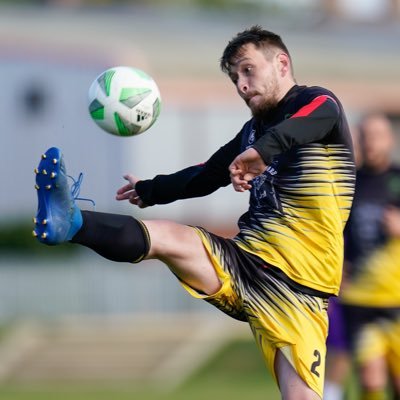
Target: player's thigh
<point>294,323</point>
<point>180,247</point>
<point>292,387</point>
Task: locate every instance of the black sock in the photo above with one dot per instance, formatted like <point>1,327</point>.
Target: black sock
<point>113,236</point>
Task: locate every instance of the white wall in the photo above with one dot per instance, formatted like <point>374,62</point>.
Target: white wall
<point>184,135</point>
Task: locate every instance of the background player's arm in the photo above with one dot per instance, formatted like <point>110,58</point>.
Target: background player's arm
<point>391,221</point>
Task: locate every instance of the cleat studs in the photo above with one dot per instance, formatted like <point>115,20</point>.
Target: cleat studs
<point>37,187</point>
<point>44,156</point>
<point>44,222</point>
<point>55,161</point>
<point>36,171</point>
<point>43,235</point>
<point>48,187</point>
<point>53,175</point>
<point>34,234</point>
<point>44,172</point>
<point>34,219</point>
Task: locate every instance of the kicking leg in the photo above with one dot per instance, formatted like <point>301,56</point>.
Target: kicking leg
<point>180,247</point>
<point>116,237</point>
<point>125,239</point>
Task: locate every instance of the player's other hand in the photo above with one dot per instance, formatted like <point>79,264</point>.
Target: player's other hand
<point>128,192</point>
<point>245,167</point>
<point>391,221</point>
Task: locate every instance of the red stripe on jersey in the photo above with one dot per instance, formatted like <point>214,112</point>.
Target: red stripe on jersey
<point>309,108</point>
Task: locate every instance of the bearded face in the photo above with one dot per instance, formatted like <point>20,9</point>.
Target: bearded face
<point>256,75</point>
<point>267,97</point>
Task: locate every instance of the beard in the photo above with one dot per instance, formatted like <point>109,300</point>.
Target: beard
<point>268,103</point>
<point>259,111</point>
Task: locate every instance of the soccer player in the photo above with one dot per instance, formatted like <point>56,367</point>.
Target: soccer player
<point>338,357</point>
<point>295,157</point>
<point>371,295</point>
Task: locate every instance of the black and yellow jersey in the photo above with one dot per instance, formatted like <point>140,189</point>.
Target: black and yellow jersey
<point>373,257</point>
<point>299,206</point>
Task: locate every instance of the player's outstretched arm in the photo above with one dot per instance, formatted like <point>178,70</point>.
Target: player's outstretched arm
<point>128,192</point>
<point>245,167</point>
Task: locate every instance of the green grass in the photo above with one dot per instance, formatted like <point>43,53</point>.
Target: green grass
<point>237,372</point>
<point>16,239</point>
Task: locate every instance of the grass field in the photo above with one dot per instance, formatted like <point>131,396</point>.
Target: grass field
<point>237,372</point>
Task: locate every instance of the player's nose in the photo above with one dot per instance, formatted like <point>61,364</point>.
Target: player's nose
<point>242,86</point>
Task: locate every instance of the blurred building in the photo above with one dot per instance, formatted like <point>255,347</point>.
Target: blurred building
<point>50,55</point>
<point>363,10</point>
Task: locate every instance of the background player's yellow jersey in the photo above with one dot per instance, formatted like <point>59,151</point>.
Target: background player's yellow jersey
<point>378,285</point>
<point>300,204</point>
<point>373,257</point>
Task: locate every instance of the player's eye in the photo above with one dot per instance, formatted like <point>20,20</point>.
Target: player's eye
<point>234,78</point>
<point>248,70</point>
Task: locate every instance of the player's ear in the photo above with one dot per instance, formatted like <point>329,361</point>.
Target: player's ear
<point>283,64</point>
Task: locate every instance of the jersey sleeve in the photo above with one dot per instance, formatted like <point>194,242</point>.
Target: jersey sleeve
<point>311,123</point>
<point>195,181</point>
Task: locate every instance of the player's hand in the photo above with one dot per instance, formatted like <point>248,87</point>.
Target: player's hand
<point>245,167</point>
<point>391,221</point>
<point>128,192</point>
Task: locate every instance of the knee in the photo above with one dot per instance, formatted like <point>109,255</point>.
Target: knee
<point>373,376</point>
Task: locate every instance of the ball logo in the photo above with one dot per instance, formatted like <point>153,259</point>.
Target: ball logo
<point>142,115</point>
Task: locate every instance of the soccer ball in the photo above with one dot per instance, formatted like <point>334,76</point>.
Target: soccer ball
<point>124,101</point>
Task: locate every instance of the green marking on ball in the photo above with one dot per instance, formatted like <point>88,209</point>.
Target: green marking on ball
<point>124,127</point>
<point>156,111</point>
<point>105,81</point>
<point>96,110</point>
<point>133,96</point>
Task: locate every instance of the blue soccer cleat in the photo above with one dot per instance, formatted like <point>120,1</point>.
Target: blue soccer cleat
<point>58,218</point>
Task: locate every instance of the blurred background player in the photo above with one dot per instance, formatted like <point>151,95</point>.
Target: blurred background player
<point>338,358</point>
<point>370,294</point>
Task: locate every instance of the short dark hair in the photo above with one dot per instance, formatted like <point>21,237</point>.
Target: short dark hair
<point>256,35</point>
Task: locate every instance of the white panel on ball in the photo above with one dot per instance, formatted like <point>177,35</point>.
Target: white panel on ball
<point>124,101</point>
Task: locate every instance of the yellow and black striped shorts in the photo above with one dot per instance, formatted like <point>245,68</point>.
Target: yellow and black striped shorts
<point>280,316</point>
